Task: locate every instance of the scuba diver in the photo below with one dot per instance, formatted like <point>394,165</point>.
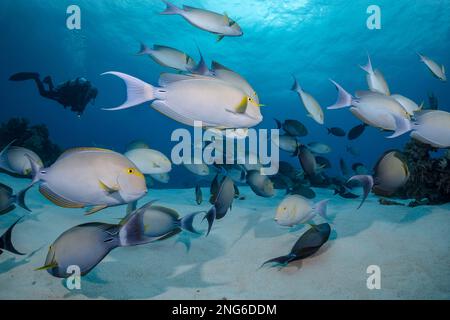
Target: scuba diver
<point>75,94</point>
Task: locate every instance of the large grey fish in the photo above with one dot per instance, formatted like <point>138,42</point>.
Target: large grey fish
<point>168,57</point>
<point>260,184</point>
<point>308,244</point>
<point>8,199</point>
<point>222,202</point>
<point>15,159</point>
<point>219,24</point>
<point>88,244</point>
<point>391,172</point>
<point>90,177</point>
<point>159,221</point>
<point>307,161</point>
<point>6,241</point>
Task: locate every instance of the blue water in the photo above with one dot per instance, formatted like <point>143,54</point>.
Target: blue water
<point>315,40</point>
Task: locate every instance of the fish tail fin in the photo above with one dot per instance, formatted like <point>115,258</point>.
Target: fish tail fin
<point>344,99</point>
<point>35,170</point>
<point>144,50</point>
<point>420,56</point>
<point>171,9</point>
<point>368,67</point>
<point>138,91</point>
<point>296,85</point>
<point>6,242</point>
<point>367,182</point>
<point>210,217</point>
<point>283,260</point>
<point>20,198</point>
<point>279,125</point>
<point>321,208</point>
<point>186,222</point>
<point>402,126</point>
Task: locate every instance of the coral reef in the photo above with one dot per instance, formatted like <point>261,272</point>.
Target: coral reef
<point>35,138</point>
<point>429,181</point>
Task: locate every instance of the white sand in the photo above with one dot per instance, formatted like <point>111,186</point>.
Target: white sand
<point>411,246</point>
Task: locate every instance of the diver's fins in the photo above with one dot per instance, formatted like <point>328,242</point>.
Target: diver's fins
<point>6,242</point>
<point>22,76</point>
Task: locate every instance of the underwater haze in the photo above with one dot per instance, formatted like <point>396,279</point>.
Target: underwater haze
<point>403,231</point>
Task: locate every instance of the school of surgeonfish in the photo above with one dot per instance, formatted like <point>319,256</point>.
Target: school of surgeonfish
<point>221,98</point>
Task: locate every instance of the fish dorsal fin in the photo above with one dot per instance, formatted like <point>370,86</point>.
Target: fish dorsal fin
<point>217,66</point>
<point>167,78</point>
<point>171,212</point>
<point>161,47</point>
<point>189,8</point>
<point>7,147</point>
<point>82,149</point>
<point>57,199</point>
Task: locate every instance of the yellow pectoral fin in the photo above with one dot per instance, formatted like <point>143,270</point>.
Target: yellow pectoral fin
<point>108,188</point>
<point>95,209</point>
<point>49,266</point>
<point>242,106</point>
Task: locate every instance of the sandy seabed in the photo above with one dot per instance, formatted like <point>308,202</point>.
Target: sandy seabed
<point>410,245</point>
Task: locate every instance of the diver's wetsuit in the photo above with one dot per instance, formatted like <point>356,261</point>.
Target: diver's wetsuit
<point>75,94</point>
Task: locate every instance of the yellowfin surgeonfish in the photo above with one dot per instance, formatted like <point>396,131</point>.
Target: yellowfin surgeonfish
<point>149,161</point>
<point>435,69</point>
<point>168,57</point>
<point>13,159</point>
<point>311,105</point>
<point>375,79</point>
<point>188,98</point>
<point>90,177</point>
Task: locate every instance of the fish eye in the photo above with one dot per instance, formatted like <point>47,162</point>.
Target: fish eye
<point>131,171</point>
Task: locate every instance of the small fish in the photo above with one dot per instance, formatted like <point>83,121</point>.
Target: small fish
<point>375,79</point>
<point>303,191</point>
<point>6,242</point>
<point>431,127</point>
<point>149,161</point>
<point>343,166</point>
<point>295,209</point>
<point>137,144</point>
<point>260,184</point>
<point>323,162</point>
<point>308,244</point>
<point>293,127</point>
<point>197,169</point>
<point>311,105</point>
<point>356,131</point>
<point>15,159</point>
<point>318,147</point>
<point>214,189</point>
<point>287,143</point>
<point>8,199</point>
<point>198,195</point>
<point>223,202</point>
<point>168,57</point>
<point>335,131</point>
<point>90,178</point>
<point>367,182</point>
<point>344,193</point>
<point>433,102</point>
<point>159,221</point>
<point>307,161</point>
<point>219,24</point>
<point>161,177</point>
<point>86,245</point>
<point>353,151</point>
<point>435,69</point>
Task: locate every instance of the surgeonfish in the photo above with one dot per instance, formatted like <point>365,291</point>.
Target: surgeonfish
<point>311,105</point>
<point>8,199</point>
<point>15,159</point>
<point>222,202</point>
<point>168,57</point>
<point>295,209</point>
<point>190,98</point>
<point>90,178</point>
<point>287,143</point>
<point>161,177</point>
<point>307,161</point>
<point>159,221</point>
<point>372,108</point>
<point>367,183</point>
<point>137,144</point>
<point>6,241</point>
<point>410,106</point>
<point>199,169</point>
<point>260,184</point>
<point>359,168</point>
<point>391,172</point>
<point>336,131</point>
<point>375,79</point>
<point>292,127</point>
<point>86,245</point>
<point>308,244</point>
<point>149,161</point>
<point>319,148</point>
<point>344,168</point>
<point>356,131</point>
<point>435,69</point>
<point>218,24</point>
<point>431,127</point>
